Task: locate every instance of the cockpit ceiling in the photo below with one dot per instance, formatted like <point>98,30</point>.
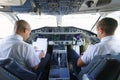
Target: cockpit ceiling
<point>62,7</point>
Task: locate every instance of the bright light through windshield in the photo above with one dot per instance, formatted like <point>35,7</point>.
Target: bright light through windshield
<point>84,21</point>
<point>116,15</point>
<point>6,25</point>
<point>38,21</point>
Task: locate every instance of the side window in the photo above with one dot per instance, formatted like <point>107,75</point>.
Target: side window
<point>6,25</point>
<point>116,15</point>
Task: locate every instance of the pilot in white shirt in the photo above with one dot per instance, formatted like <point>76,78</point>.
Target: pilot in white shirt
<point>15,47</point>
<point>108,44</point>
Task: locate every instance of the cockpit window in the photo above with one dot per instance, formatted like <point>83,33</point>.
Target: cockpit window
<point>116,15</point>
<point>38,21</point>
<point>6,25</point>
<point>84,21</point>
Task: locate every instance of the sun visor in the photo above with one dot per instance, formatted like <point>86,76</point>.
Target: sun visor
<point>12,2</point>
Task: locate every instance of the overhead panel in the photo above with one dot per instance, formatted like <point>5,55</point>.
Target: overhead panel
<point>60,6</point>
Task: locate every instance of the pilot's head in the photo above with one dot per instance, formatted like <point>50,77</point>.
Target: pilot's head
<point>22,28</point>
<point>106,27</point>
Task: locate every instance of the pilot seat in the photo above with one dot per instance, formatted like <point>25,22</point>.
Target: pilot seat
<point>102,67</point>
<point>11,70</point>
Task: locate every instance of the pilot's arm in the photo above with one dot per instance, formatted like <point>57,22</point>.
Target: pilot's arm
<point>80,63</point>
<point>87,56</point>
<point>32,60</point>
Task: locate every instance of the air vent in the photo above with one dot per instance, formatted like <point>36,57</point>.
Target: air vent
<point>103,2</point>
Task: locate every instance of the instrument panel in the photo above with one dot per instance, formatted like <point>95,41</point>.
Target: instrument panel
<point>62,35</point>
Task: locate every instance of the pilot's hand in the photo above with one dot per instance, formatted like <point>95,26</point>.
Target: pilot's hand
<point>41,55</point>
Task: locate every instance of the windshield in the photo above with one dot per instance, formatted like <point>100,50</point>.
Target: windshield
<point>116,15</point>
<point>38,21</point>
<point>84,21</point>
<point>6,25</point>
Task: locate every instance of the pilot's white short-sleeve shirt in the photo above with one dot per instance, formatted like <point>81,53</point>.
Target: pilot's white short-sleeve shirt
<point>108,45</point>
<point>14,47</point>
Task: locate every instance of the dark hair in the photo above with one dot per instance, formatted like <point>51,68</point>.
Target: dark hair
<point>109,25</point>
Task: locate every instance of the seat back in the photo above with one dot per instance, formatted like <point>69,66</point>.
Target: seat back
<point>17,70</point>
<point>110,71</point>
<point>102,67</point>
<point>5,75</point>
